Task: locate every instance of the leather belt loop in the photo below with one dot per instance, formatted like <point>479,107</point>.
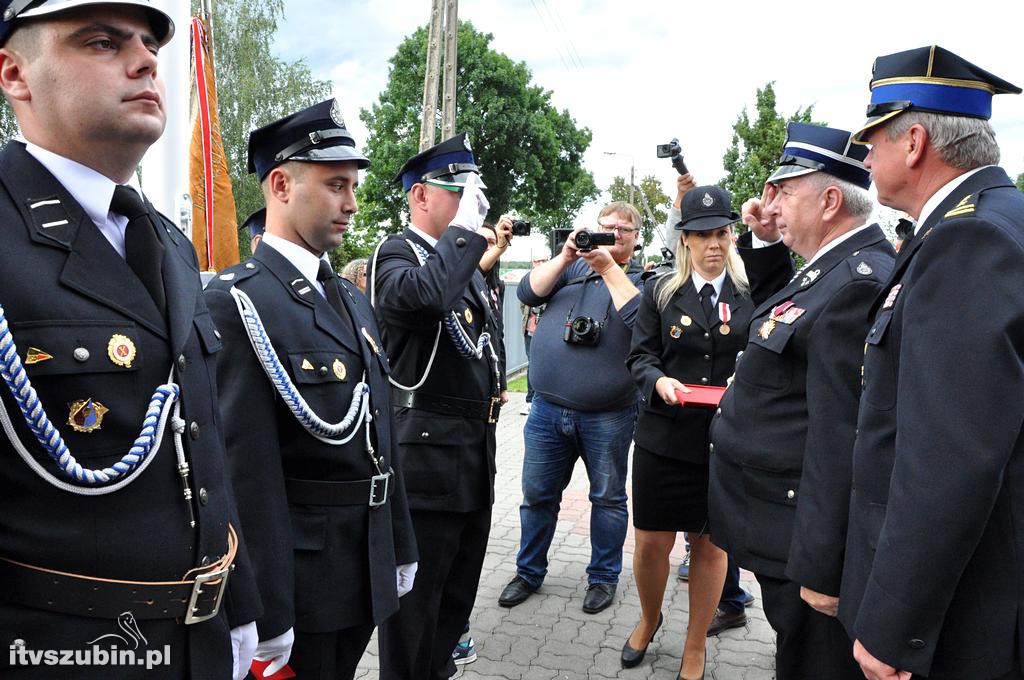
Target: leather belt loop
<point>192,600</point>
<point>473,409</point>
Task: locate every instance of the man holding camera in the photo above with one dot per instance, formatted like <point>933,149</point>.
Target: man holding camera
<point>592,294</point>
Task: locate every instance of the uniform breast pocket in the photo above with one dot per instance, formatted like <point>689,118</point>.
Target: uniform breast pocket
<point>326,379</point>
<point>764,364</point>
<point>879,384</point>
<point>208,334</point>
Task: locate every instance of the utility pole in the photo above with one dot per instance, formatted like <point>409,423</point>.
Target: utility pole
<point>451,62</point>
<point>435,35</point>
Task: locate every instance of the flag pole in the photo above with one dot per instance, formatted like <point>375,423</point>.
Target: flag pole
<point>164,168</point>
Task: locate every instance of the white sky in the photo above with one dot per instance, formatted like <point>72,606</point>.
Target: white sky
<point>642,72</point>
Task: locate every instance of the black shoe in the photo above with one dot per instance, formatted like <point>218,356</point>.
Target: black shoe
<point>724,621</point>
<point>599,596</point>
<point>632,657</point>
<point>515,592</point>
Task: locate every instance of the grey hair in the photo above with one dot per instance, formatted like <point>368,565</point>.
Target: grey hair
<point>855,199</point>
<point>961,142</point>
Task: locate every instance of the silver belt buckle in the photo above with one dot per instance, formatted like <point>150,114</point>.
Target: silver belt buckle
<point>192,615</point>
<point>379,483</point>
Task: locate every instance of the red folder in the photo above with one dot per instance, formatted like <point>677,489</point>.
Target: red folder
<point>700,396</point>
<point>258,667</point>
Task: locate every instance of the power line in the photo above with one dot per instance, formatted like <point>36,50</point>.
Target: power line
<point>565,32</point>
<point>545,24</point>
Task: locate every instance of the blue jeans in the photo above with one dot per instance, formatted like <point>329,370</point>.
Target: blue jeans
<point>732,592</point>
<point>529,390</point>
<point>555,437</point>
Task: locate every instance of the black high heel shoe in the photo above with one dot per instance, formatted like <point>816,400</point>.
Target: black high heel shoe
<point>632,657</point>
<point>702,673</point>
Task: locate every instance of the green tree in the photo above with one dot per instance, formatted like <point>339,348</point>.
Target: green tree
<point>756,146</point>
<point>8,123</point>
<point>254,88</point>
<point>649,198</point>
<point>1020,181</point>
<point>530,153</point>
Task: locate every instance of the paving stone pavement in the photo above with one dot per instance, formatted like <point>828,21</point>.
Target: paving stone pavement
<point>548,637</point>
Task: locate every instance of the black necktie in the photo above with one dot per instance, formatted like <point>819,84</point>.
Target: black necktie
<point>142,248</point>
<point>706,293</point>
<point>325,275</point>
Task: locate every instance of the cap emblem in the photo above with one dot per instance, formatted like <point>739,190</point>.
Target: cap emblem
<point>707,200</point>
<point>465,143</point>
<point>336,114</point>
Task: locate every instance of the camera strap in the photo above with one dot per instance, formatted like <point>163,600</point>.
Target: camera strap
<point>584,280</point>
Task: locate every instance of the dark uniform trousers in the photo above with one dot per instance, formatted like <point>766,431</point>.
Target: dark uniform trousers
<point>448,455</point>
<point>66,292</point>
<point>782,442</point>
<point>325,562</point>
<point>932,579</point>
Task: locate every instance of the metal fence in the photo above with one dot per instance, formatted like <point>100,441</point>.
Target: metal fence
<point>515,348</point>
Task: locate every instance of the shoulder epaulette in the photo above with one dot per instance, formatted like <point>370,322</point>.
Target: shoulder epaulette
<point>233,275</point>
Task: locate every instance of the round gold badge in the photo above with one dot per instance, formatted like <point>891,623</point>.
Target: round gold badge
<point>469,316</point>
<point>724,329</point>
<point>685,320</point>
<point>339,369</point>
<point>121,350</point>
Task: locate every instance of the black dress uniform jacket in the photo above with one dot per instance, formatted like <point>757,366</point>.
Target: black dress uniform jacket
<point>320,568</point>
<point>782,437</point>
<point>664,345</point>
<point>64,288</point>
<point>448,460</point>
<point>934,577</point>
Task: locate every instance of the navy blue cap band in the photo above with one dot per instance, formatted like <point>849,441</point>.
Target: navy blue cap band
<point>943,98</point>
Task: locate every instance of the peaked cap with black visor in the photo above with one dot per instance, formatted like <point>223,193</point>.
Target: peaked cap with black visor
<point>447,165</point>
<point>930,79</point>
<point>817,148</point>
<point>313,135</point>
<point>706,208</point>
<point>15,12</point>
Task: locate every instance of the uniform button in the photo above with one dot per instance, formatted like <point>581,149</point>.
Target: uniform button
<point>217,333</point>
<point>704,381</point>
<point>460,242</point>
<point>182,363</point>
<point>707,336</point>
<point>376,412</point>
<point>193,430</point>
<point>917,643</point>
<point>718,412</point>
<point>205,561</point>
<point>250,265</point>
<point>791,494</point>
<point>81,354</point>
<point>711,448</point>
<point>425,435</point>
<point>707,357</point>
<point>204,497</point>
<point>323,371</point>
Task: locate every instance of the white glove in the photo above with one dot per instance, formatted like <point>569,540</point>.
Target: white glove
<point>473,206</point>
<point>243,646</point>
<point>276,650</point>
<point>406,574</point>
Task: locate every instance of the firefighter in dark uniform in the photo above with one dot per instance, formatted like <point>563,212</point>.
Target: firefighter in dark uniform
<point>935,554</point>
<point>440,335</point>
<point>782,439</point>
<point>305,399</point>
<point>118,528</point>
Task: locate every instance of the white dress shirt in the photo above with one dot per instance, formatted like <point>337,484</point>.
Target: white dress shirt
<point>306,262</point>
<point>699,282</point>
<point>90,189</point>
<point>424,235</point>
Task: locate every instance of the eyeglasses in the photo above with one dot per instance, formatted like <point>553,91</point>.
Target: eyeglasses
<point>625,231</point>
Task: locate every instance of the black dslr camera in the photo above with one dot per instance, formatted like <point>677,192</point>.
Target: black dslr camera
<point>675,152</point>
<point>588,240</point>
<point>521,228</point>
<point>582,330</point>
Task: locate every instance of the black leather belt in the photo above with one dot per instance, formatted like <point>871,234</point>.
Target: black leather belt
<point>192,600</point>
<point>374,491</point>
<point>449,406</point>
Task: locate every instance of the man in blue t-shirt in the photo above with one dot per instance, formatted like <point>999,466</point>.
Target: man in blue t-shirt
<point>585,401</point>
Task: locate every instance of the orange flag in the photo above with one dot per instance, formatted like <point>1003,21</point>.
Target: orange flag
<point>214,225</point>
